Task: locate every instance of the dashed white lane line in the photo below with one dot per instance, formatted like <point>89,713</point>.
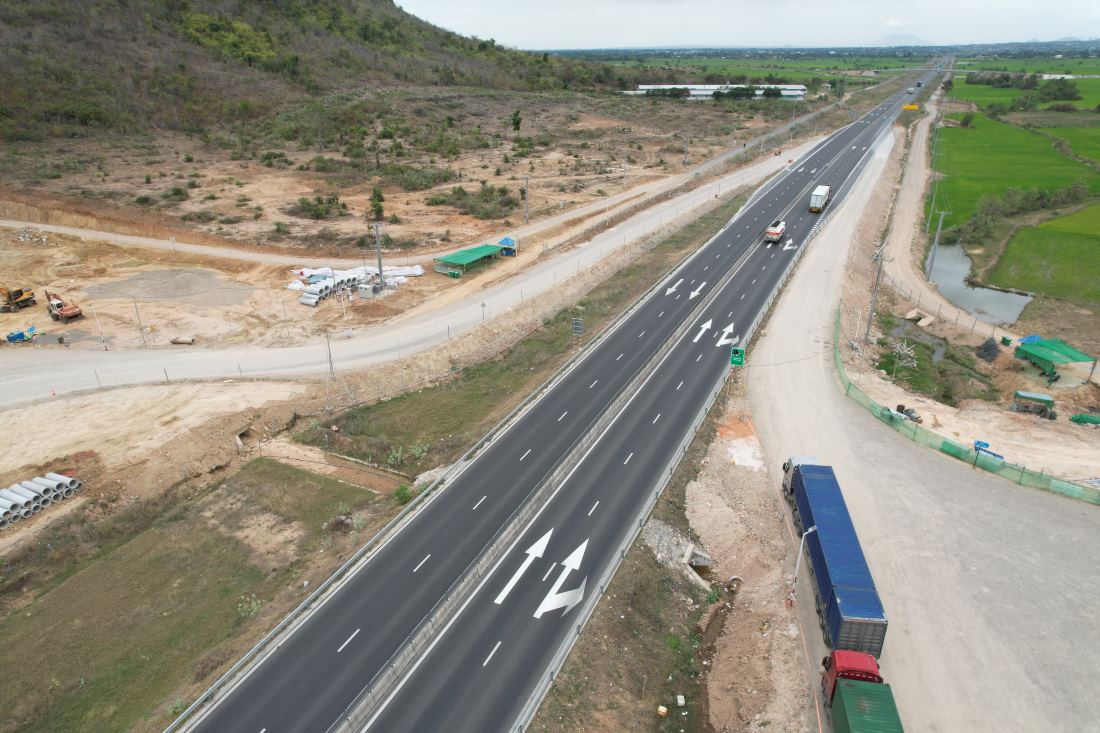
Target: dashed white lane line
<point>346,642</point>
<point>548,571</point>
<point>593,384</point>
<point>479,502</point>
<point>529,450</point>
<point>742,296</point>
<point>422,562</point>
<point>656,418</point>
<point>717,255</point>
<point>681,384</point>
<point>593,508</point>
<point>628,458</point>
<point>491,654</point>
<point>754,281</point>
<point>698,358</point>
<point>563,415</point>
<point>706,268</point>
<point>729,315</point>
<point>620,356</point>
<point>660,314</point>
<point>641,334</point>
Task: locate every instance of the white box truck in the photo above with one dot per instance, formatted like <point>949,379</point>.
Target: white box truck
<point>820,198</point>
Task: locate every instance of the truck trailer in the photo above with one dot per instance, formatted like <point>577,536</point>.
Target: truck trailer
<point>820,198</point>
<point>864,707</point>
<point>847,601</point>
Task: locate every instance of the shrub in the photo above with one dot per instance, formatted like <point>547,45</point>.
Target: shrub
<point>319,207</point>
<point>403,495</point>
<point>176,193</point>
<point>489,202</point>
<point>281,227</point>
<point>143,200</point>
<point>321,164</point>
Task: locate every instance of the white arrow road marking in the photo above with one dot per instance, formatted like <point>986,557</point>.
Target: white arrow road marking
<point>697,290</point>
<point>789,244</point>
<point>346,642</point>
<point>670,291</point>
<point>567,600</point>
<point>702,329</point>
<point>726,340</point>
<point>535,550</point>
<point>491,654</point>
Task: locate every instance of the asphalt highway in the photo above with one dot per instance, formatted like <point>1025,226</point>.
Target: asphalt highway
<point>484,668</point>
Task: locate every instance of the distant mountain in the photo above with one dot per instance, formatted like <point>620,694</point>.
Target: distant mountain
<point>74,66</point>
<point>901,39</point>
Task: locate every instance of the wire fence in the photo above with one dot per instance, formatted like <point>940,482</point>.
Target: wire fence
<point>1018,474</point>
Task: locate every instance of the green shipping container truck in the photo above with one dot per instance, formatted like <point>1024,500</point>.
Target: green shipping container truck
<point>864,707</point>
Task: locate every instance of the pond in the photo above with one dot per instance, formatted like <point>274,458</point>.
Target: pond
<point>950,266</point>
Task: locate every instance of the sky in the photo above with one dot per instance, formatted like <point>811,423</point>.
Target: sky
<point>760,23</point>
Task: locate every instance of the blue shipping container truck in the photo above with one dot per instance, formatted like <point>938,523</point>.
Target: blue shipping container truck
<point>847,603</point>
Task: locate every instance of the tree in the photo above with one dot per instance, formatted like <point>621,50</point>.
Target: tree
<point>376,199</point>
<point>967,119</point>
<point>517,120</point>
<point>948,85</point>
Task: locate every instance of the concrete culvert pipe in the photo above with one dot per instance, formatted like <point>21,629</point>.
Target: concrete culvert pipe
<point>25,513</point>
<point>4,523</point>
<point>9,505</point>
<point>35,508</point>
<point>67,480</point>
<point>79,486</point>
<point>48,483</point>
<point>28,495</point>
<point>66,493</point>
<point>16,499</point>
<point>39,489</point>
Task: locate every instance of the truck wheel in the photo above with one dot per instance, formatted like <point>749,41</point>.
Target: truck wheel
<point>55,317</point>
<point>1053,415</point>
<point>14,308</point>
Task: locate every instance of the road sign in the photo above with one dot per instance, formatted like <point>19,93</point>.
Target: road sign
<point>578,326</point>
<point>910,106</point>
<point>737,357</point>
<point>980,444</point>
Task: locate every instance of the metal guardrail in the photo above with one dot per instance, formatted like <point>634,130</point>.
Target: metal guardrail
<point>254,656</point>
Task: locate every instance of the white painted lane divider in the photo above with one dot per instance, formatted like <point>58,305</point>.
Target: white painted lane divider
<point>536,550</point>
<point>491,654</point>
<point>628,458</point>
<point>681,384</point>
<point>698,358</point>
<point>641,334</point>
<point>422,562</point>
<point>528,451</point>
<point>589,514</point>
<point>660,314</point>
<point>593,384</point>
<point>479,502</point>
<point>620,356</point>
<point>656,418</point>
<point>563,415</point>
<point>346,642</point>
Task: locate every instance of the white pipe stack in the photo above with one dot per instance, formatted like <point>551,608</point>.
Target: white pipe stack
<point>22,500</point>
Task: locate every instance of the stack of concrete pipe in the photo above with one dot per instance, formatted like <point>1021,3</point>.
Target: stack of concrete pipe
<point>27,498</point>
<point>322,289</point>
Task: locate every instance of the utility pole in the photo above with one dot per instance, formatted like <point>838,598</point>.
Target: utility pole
<point>377,228</point>
<point>935,245</point>
<point>141,329</point>
<point>526,198</point>
<point>874,291</point>
<point>331,364</point>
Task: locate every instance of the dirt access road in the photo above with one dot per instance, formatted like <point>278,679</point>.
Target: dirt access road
<point>989,587</point>
<point>31,374</point>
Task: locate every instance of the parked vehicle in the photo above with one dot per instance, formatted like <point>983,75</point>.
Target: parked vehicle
<point>820,198</point>
<point>776,231</point>
<point>864,707</point>
<point>843,664</point>
<point>846,599</point>
<point>12,299</point>
<point>62,311</point>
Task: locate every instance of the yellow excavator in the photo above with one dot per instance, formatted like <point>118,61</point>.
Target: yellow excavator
<point>12,299</point>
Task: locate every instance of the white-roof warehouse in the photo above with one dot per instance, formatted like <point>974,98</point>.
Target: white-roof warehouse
<point>706,91</point>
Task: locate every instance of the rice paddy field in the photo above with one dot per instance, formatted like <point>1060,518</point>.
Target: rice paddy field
<point>1084,141</point>
<point>984,95</point>
<point>1037,65</point>
<point>990,157</point>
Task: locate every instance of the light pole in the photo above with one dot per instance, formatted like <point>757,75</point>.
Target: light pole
<point>801,546</point>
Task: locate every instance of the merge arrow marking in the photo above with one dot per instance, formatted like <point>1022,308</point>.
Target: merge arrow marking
<point>789,244</point>
<point>702,329</point>
<point>536,550</point>
<point>726,340</point>
<point>672,290</point>
<point>570,598</point>
<point>697,290</point>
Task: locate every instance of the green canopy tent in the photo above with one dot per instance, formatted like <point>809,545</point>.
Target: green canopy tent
<point>1048,353</point>
<point>458,262</point>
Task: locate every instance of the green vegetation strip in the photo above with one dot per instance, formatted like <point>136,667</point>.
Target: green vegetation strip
<point>174,596</point>
<point>417,431</point>
<point>1083,141</point>
<point>1060,258</point>
<point>989,157</point>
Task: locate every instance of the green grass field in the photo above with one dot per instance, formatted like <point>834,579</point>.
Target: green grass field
<point>990,157</point>
<point>823,67</point>
<point>1085,141</point>
<point>1060,258</point>
<point>104,648</point>
<point>1043,65</point>
<point>983,95</point>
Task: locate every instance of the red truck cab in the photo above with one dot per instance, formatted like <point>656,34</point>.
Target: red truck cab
<point>842,664</point>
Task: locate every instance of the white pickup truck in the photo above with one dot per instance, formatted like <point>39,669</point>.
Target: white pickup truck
<point>776,231</point>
